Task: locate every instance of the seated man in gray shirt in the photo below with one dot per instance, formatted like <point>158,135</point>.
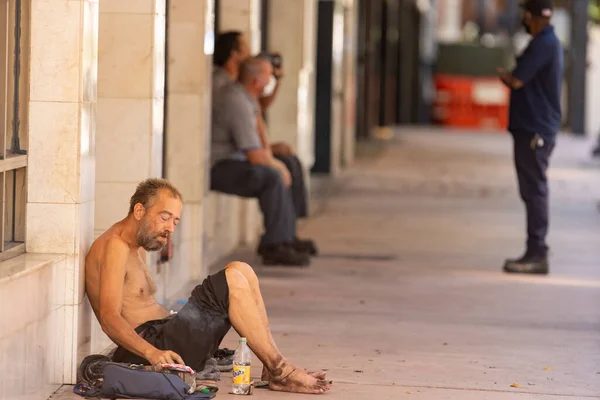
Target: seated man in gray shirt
<point>231,50</point>
<point>242,167</point>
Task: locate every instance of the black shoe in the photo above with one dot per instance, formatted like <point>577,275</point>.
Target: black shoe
<point>305,246</point>
<point>283,254</point>
<point>530,263</point>
<point>596,151</point>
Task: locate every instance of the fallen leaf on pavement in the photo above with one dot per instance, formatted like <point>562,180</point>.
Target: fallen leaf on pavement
<point>548,369</point>
<point>515,385</point>
<point>408,392</point>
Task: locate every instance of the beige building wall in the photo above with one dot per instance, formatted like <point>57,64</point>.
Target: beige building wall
<point>129,128</point>
<point>292,32</point>
<point>45,319</point>
<point>244,16</point>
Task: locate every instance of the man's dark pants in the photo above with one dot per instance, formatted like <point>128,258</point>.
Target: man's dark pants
<point>531,165</point>
<point>298,188</point>
<point>243,179</point>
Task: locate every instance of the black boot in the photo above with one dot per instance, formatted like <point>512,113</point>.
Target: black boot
<point>530,263</point>
<point>305,246</point>
<point>596,150</point>
<point>283,254</point>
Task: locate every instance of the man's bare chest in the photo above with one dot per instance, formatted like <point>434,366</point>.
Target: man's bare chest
<point>138,280</point>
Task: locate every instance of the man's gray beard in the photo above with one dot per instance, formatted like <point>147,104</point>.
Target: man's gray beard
<point>146,240</point>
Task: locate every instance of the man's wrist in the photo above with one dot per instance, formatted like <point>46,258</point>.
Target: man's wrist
<point>148,350</point>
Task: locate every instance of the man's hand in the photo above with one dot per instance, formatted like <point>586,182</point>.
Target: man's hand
<point>509,80</point>
<point>505,77</point>
<point>158,357</point>
<point>278,73</point>
<point>283,171</point>
<point>282,149</point>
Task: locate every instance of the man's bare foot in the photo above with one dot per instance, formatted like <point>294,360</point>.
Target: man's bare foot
<point>266,376</point>
<point>299,381</point>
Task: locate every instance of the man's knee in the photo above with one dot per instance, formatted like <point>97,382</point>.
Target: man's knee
<point>236,281</point>
<point>296,161</point>
<point>270,179</point>
<point>244,269</point>
<point>271,175</point>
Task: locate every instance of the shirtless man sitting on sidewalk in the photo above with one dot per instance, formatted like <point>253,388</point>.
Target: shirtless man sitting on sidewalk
<point>121,291</point>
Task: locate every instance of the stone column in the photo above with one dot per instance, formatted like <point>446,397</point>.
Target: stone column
<point>292,32</point>
<point>244,16</point>
<point>349,81</point>
<point>60,208</point>
<point>189,37</point>
<point>130,103</point>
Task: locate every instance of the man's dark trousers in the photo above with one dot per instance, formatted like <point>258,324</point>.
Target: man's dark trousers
<point>298,188</point>
<point>531,162</point>
<point>243,179</point>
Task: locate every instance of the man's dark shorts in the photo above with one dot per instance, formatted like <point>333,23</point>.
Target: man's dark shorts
<point>195,332</point>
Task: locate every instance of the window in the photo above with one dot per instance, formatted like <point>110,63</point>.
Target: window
<point>14,43</point>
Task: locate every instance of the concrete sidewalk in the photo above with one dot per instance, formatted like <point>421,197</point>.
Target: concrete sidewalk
<point>407,299</point>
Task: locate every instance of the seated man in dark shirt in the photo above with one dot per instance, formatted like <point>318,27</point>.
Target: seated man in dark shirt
<point>534,121</point>
<point>242,166</point>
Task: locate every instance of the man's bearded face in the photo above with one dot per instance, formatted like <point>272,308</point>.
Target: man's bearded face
<point>150,239</point>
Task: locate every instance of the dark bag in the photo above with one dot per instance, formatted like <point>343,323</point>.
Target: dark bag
<point>99,377</point>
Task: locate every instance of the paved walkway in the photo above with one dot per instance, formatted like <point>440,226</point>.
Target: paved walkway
<point>408,301</point>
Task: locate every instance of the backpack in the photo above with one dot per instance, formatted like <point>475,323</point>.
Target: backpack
<point>99,377</point>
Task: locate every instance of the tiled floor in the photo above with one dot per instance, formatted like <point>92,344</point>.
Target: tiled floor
<point>407,299</point>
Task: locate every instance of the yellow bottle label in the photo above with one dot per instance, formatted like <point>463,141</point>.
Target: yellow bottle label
<point>241,375</point>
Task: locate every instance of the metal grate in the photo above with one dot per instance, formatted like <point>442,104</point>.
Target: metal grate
<point>13,155</point>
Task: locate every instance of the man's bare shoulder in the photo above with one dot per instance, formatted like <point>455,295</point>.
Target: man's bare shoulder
<point>109,243</point>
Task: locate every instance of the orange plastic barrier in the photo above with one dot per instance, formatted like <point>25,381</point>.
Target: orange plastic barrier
<point>471,102</point>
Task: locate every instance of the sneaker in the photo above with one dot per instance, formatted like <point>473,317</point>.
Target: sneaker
<point>283,254</point>
<point>530,263</point>
<point>306,246</point>
<point>224,359</point>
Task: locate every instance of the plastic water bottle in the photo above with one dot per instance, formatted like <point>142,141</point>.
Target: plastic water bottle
<point>242,361</point>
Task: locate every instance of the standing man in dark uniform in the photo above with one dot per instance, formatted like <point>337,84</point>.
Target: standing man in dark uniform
<point>535,118</point>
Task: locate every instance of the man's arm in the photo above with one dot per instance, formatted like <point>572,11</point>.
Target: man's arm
<point>266,101</point>
<point>265,155</point>
<point>112,278</point>
<point>509,80</point>
<point>246,130</point>
<point>262,133</point>
<point>534,58</point>
<point>262,157</point>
